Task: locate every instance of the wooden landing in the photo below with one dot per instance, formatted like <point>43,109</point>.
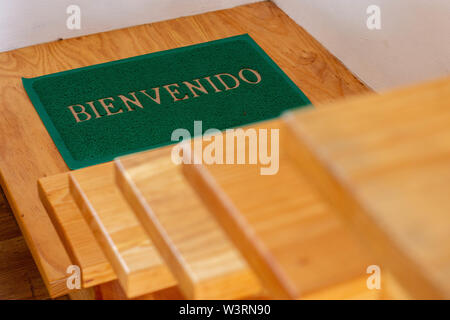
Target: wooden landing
<point>75,234</point>
<point>28,153</point>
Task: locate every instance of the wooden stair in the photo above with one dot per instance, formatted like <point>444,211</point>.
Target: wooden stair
<point>77,237</point>
<point>193,245</point>
<point>30,153</point>
<point>287,249</point>
<point>225,231</point>
<point>148,192</point>
<point>291,238</point>
<point>133,256</point>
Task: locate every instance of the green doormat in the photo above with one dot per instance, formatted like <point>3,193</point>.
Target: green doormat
<point>97,113</point>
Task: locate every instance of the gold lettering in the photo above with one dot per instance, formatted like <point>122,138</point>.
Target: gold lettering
<point>175,91</point>
<point>258,76</point>
<point>212,84</point>
<point>198,87</point>
<point>132,101</point>
<point>83,111</point>
<point>236,81</point>
<point>126,101</point>
<point>157,98</point>
<point>91,104</point>
<point>109,106</point>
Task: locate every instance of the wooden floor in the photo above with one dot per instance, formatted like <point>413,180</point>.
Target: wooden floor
<point>385,168</point>
<point>31,154</point>
<point>19,277</point>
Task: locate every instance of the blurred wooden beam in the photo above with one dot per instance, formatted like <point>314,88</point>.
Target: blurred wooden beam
<point>384,162</point>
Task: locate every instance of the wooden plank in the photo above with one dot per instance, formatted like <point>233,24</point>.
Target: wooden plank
<point>30,152</point>
<point>134,258</point>
<point>383,161</point>
<point>73,230</point>
<point>293,240</point>
<point>194,246</point>
<point>392,289</point>
<point>83,294</point>
<point>8,226</point>
<point>19,277</point>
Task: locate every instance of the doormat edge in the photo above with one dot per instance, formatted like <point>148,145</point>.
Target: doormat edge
<point>73,163</point>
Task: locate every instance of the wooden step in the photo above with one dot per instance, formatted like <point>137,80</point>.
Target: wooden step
<point>201,257</point>
<point>74,232</point>
<point>384,162</point>
<point>31,153</point>
<point>292,239</point>
<point>134,258</point>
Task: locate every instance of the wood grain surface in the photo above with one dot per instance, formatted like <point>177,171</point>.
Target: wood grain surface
<point>113,291</point>
<point>28,153</point>
<point>74,232</point>
<point>133,256</point>
<point>186,234</point>
<point>289,235</point>
<point>19,277</point>
<point>384,162</point>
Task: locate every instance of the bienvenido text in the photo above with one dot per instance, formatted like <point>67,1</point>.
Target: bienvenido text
<point>184,90</point>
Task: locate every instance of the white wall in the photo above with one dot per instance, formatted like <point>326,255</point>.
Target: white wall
<point>413,44</point>
<point>28,22</point>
